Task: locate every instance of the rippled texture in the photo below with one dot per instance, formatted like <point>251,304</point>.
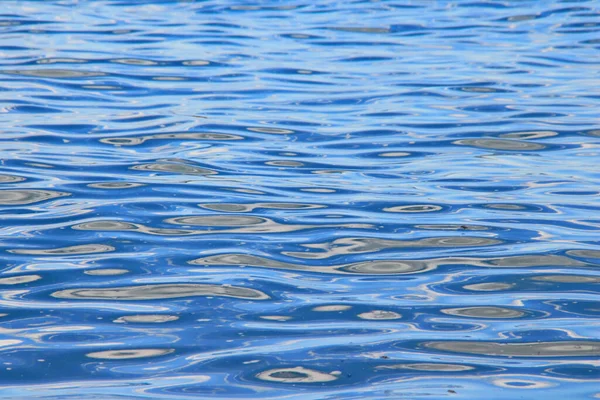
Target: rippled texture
<point>300,200</point>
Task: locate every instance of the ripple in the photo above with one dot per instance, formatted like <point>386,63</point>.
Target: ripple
<point>332,308</point>
<point>28,196</point>
<point>520,384</point>
<point>129,354</point>
<point>484,312</point>
<point>529,135</point>
<point>224,207</point>
<point>10,178</point>
<point>273,131</point>
<point>196,63</point>
<point>500,144</point>
<point>106,272</point>
<point>68,251</point>
<point>511,207</point>
<point>218,220</point>
<point>489,287</point>
<point>135,141</point>
<point>567,279</point>
<point>428,367</point>
<point>115,185</point>
<point>537,260</point>
<point>394,154</point>
<point>105,226</point>
<point>369,245</point>
<point>416,208</point>
<point>379,315</point>
<point>296,375</point>
<point>160,291</point>
<point>134,61</point>
<point>538,349</point>
<point>280,318</point>
<point>285,163</point>
<point>17,280</point>
<point>388,267</point>
<point>174,168</point>
<point>53,73</point>
<point>146,319</point>
<point>398,267</point>
<point>584,253</point>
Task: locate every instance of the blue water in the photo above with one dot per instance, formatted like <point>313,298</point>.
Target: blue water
<point>300,200</point>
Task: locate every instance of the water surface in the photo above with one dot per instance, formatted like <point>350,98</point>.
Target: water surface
<point>300,200</point>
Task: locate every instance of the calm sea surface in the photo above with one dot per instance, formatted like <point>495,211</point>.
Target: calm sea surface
<point>300,199</point>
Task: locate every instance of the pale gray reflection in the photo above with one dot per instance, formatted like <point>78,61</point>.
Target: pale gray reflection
<point>225,207</point>
<point>332,308</point>
<point>54,73</point>
<point>451,227</point>
<point>429,367</point>
<point>535,261</point>
<point>137,140</point>
<point>584,253</point>
<point>318,190</point>
<point>284,163</point>
<point>129,354</point>
<point>390,267</point>
<point>106,272</point>
<point>394,154</point>
<point>489,286</point>
<point>60,60</point>
<point>218,220</point>
<point>105,226</point>
<point>484,312</point>
<point>230,207</point>
<point>414,208</point>
<point>9,197</point>
<point>295,375</point>
<point>68,251</point>
<point>594,132</point>
<point>168,78</point>
<point>10,178</point>
<point>146,319</point>
<point>115,185</point>
<point>368,245</point>
<point>174,168</point>
<point>379,315</point>
<point>279,318</point>
<point>537,349</point>
<point>17,280</point>
<point>479,89</point>
<point>500,206</point>
<point>196,63</point>
<point>274,131</point>
<point>160,291</point>
<point>567,279</point>
<point>167,231</point>
<point>501,144</point>
<point>249,260</point>
<point>529,135</point>
<point>134,61</point>
<point>123,141</point>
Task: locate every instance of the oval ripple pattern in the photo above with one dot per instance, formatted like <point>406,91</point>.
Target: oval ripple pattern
<point>300,200</point>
